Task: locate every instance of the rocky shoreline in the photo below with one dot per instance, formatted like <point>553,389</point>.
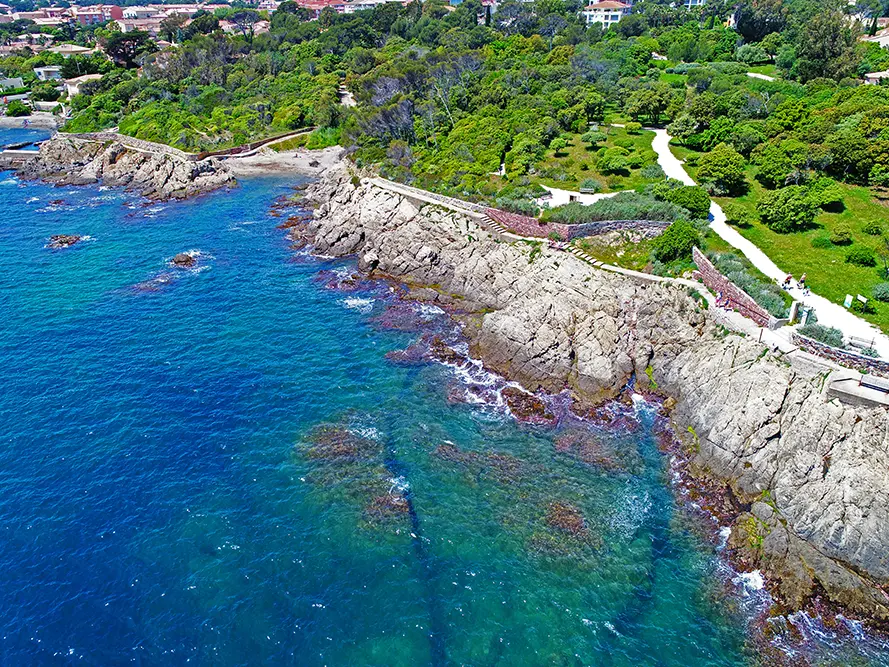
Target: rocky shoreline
<point>801,479</point>
<point>69,160</point>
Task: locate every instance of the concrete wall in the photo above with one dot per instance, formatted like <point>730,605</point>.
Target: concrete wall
<point>733,296</point>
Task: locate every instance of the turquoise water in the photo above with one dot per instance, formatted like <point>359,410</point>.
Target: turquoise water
<point>220,466</point>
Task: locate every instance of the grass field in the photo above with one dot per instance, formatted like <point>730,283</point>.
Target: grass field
<point>576,162</point>
<point>827,272</point>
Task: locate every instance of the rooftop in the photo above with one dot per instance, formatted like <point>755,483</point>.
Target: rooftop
<point>608,4</point>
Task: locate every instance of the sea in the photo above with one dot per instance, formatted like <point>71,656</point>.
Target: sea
<point>236,463</point>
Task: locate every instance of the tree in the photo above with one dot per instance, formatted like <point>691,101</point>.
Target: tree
<point>244,21</point>
<point>676,242</point>
<point>789,209</point>
<point>757,18</point>
<point>826,47</point>
<point>682,128</point>
<point>650,102</point>
<point>124,47</point>
<point>171,27</point>
<point>612,160</point>
<point>17,108</point>
<point>724,168</point>
<point>203,23</point>
<point>593,137</point>
<point>692,198</point>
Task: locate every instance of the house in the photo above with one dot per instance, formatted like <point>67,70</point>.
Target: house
<point>881,37</point>
<point>131,13</point>
<point>874,78</point>
<point>12,83</point>
<point>693,3</point>
<point>97,14</point>
<point>68,50</point>
<point>606,12</point>
<point>73,85</point>
<point>50,73</point>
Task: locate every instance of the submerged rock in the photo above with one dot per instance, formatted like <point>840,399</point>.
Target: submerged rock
<point>58,241</point>
<point>525,406</point>
<point>567,518</point>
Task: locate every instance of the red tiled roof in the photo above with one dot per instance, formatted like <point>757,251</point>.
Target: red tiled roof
<point>608,4</point>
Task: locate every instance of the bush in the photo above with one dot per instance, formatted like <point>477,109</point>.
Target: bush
<point>826,193</point>
<point>881,292</point>
<point>633,128</point>
<point>692,198</point>
<point>821,242</point>
<point>827,335</point>
<point>593,137</point>
<point>861,256</point>
<point>652,171</point>
<point>788,209</point>
<point>737,216</point>
<point>841,235</point>
<point>590,185</point>
<point>874,228</point>
<point>676,242</point>
<point>724,167</point>
<point>623,206</point>
<point>521,206</point>
<point>17,108</point>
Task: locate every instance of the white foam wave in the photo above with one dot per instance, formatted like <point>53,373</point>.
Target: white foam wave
<point>428,312</point>
<point>750,582</point>
<point>631,510</point>
<point>8,181</point>
<point>362,304</point>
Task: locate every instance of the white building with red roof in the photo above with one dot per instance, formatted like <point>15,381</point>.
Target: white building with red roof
<point>606,12</point>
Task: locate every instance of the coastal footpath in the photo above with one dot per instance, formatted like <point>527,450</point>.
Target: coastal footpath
<point>807,478</point>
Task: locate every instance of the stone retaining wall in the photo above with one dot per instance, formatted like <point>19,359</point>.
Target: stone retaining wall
<point>528,226</point>
<point>846,358</point>
<point>732,296</point>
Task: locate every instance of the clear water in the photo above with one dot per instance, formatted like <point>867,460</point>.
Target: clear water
<point>160,502</point>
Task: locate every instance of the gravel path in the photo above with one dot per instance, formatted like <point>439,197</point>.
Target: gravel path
<point>829,313</point>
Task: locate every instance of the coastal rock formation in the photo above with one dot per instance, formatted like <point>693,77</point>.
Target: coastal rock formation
<point>810,474</point>
<point>183,260</point>
<point>57,241</point>
<point>69,160</point>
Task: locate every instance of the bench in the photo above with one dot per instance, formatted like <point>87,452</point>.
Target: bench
<point>861,343</point>
<point>874,382</point>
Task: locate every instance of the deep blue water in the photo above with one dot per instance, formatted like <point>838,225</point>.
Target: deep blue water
<point>161,501</point>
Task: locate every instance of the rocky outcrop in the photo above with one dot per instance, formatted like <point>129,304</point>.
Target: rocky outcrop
<point>810,475</point>
<point>69,160</point>
<point>58,241</point>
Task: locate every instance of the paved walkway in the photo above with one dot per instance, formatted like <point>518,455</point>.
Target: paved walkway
<point>757,75</point>
<point>829,313</point>
<point>559,197</point>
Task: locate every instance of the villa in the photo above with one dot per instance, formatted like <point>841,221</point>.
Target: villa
<point>606,12</point>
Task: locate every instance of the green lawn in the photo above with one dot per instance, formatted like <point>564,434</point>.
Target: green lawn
<point>768,70</point>
<point>577,162</point>
<point>827,272</point>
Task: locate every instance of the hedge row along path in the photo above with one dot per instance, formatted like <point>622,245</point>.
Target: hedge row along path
<point>829,313</point>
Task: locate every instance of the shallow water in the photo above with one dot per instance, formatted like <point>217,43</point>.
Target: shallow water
<point>165,496</point>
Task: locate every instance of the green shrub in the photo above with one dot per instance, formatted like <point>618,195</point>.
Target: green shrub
<point>861,256</point>
<point>825,192</point>
<point>737,215</point>
<point>593,137</point>
<point>863,307</point>
<point>788,209</point>
<point>827,335</point>
<point>652,171</point>
<point>590,185</point>
<point>692,198</point>
<point>724,167</point>
<point>841,235</point>
<point>515,205</point>
<point>880,292</point>
<point>821,242</point>
<point>17,108</point>
<point>873,227</point>
<point>633,128</point>
<point>623,206</point>
<point>676,242</point>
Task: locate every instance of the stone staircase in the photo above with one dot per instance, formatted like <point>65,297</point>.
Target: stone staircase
<point>493,226</point>
<point>580,254</point>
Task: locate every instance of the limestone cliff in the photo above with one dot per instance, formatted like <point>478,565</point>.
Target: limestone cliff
<point>68,160</point>
<point>810,475</point>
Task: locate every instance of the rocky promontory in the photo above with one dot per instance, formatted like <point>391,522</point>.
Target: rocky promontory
<point>808,475</point>
<point>150,169</point>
